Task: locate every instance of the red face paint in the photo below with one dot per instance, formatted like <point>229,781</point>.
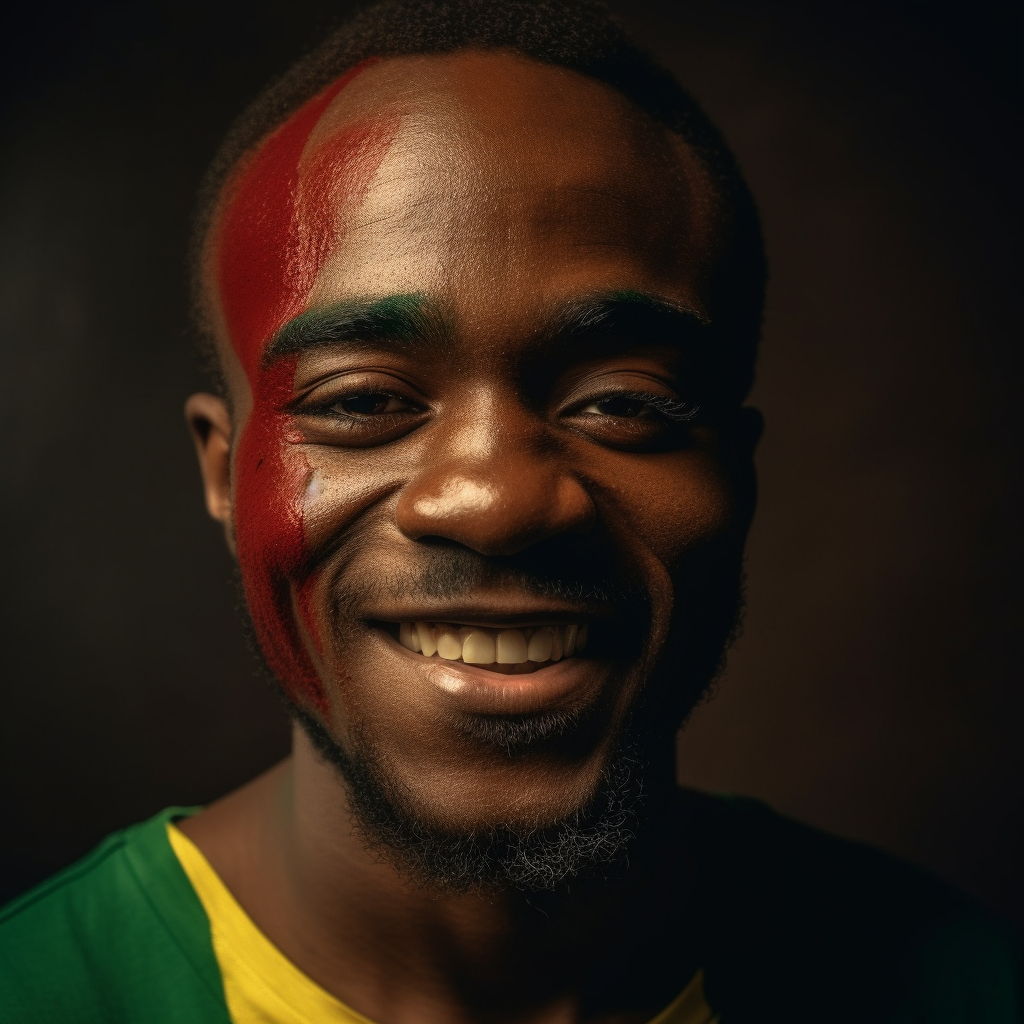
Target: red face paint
<point>277,231</point>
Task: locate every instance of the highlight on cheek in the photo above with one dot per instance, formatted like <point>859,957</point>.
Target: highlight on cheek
<point>278,228</point>
<point>313,488</point>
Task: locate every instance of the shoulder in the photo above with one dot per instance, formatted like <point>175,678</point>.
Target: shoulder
<point>110,938</point>
<point>829,929</point>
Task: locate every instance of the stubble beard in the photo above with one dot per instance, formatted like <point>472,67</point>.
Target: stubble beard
<point>590,841</point>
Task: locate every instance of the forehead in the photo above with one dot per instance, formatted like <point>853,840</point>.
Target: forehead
<point>493,184</point>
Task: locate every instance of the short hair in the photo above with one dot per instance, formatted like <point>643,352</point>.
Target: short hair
<point>579,35</point>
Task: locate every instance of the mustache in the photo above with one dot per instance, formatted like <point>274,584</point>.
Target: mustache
<point>569,572</point>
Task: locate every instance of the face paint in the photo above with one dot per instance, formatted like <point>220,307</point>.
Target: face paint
<point>277,231</point>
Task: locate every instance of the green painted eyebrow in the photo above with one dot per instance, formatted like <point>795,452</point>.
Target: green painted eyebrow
<point>394,321</point>
<point>407,321</point>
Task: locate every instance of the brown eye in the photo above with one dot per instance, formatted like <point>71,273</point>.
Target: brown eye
<point>617,406</point>
<point>361,409</point>
<point>635,421</point>
<point>371,404</point>
<point>637,406</point>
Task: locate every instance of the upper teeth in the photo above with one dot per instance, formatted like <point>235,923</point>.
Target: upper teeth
<point>477,645</point>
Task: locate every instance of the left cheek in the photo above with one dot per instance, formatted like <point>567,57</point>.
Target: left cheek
<point>668,514</point>
<point>676,504</point>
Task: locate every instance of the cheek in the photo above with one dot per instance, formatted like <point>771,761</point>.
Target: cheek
<point>679,504</point>
<point>271,482</point>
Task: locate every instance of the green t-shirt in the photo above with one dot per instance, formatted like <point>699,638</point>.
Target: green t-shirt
<point>797,926</point>
<point>119,936</point>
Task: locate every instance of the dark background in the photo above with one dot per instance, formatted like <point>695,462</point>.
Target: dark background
<point>877,690</point>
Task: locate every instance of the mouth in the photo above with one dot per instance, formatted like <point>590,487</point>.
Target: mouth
<point>510,651</point>
<point>483,663</point>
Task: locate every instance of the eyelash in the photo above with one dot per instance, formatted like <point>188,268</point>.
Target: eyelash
<point>327,408</point>
<point>675,409</point>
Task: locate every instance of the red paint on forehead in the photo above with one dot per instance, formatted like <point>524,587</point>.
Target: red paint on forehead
<point>268,254</point>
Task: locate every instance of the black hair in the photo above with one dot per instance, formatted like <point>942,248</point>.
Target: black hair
<point>580,35</point>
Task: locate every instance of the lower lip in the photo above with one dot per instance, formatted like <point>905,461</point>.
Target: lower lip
<point>475,690</point>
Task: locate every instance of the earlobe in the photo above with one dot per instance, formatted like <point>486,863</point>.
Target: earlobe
<point>210,426</point>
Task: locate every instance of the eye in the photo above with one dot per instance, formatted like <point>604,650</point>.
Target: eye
<point>634,421</point>
<point>616,406</point>
<point>359,410</point>
<point>640,406</point>
<point>371,403</point>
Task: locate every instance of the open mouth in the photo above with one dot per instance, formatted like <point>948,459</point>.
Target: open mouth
<point>508,650</point>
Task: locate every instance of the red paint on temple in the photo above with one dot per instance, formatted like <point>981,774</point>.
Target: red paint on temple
<point>263,273</point>
<point>277,231</point>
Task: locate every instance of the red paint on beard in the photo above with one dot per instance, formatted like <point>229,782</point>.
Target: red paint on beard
<point>277,231</point>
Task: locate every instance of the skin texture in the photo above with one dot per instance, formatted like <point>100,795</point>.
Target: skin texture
<point>468,207</point>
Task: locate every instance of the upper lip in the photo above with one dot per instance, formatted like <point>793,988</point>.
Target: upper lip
<point>493,616</point>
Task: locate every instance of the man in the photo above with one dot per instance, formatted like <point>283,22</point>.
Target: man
<point>484,287</point>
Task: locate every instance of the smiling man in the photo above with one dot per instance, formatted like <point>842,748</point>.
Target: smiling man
<point>483,287</point>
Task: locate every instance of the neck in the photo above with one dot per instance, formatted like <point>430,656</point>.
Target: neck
<point>397,949</point>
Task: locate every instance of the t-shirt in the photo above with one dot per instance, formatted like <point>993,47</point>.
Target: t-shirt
<point>261,986</point>
<point>795,926</point>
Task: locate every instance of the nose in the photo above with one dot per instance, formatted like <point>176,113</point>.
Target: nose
<point>498,497</point>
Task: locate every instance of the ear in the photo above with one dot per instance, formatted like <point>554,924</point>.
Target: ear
<point>210,425</point>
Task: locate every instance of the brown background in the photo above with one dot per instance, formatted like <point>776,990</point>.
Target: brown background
<point>876,692</point>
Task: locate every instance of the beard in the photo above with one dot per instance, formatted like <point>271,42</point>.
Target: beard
<point>594,839</point>
<point>590,842</point>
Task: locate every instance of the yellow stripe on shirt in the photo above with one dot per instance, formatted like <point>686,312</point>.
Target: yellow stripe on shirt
<point>262,986</point>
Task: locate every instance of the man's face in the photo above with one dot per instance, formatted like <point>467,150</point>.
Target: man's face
<point>462,305</point>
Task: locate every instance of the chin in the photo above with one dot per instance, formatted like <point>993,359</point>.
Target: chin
<point>532,837</point>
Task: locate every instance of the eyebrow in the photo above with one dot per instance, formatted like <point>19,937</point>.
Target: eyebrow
<point>394,321</point>
<point>406,321</point>
<point>609,323</point>
<point>632,314</point>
